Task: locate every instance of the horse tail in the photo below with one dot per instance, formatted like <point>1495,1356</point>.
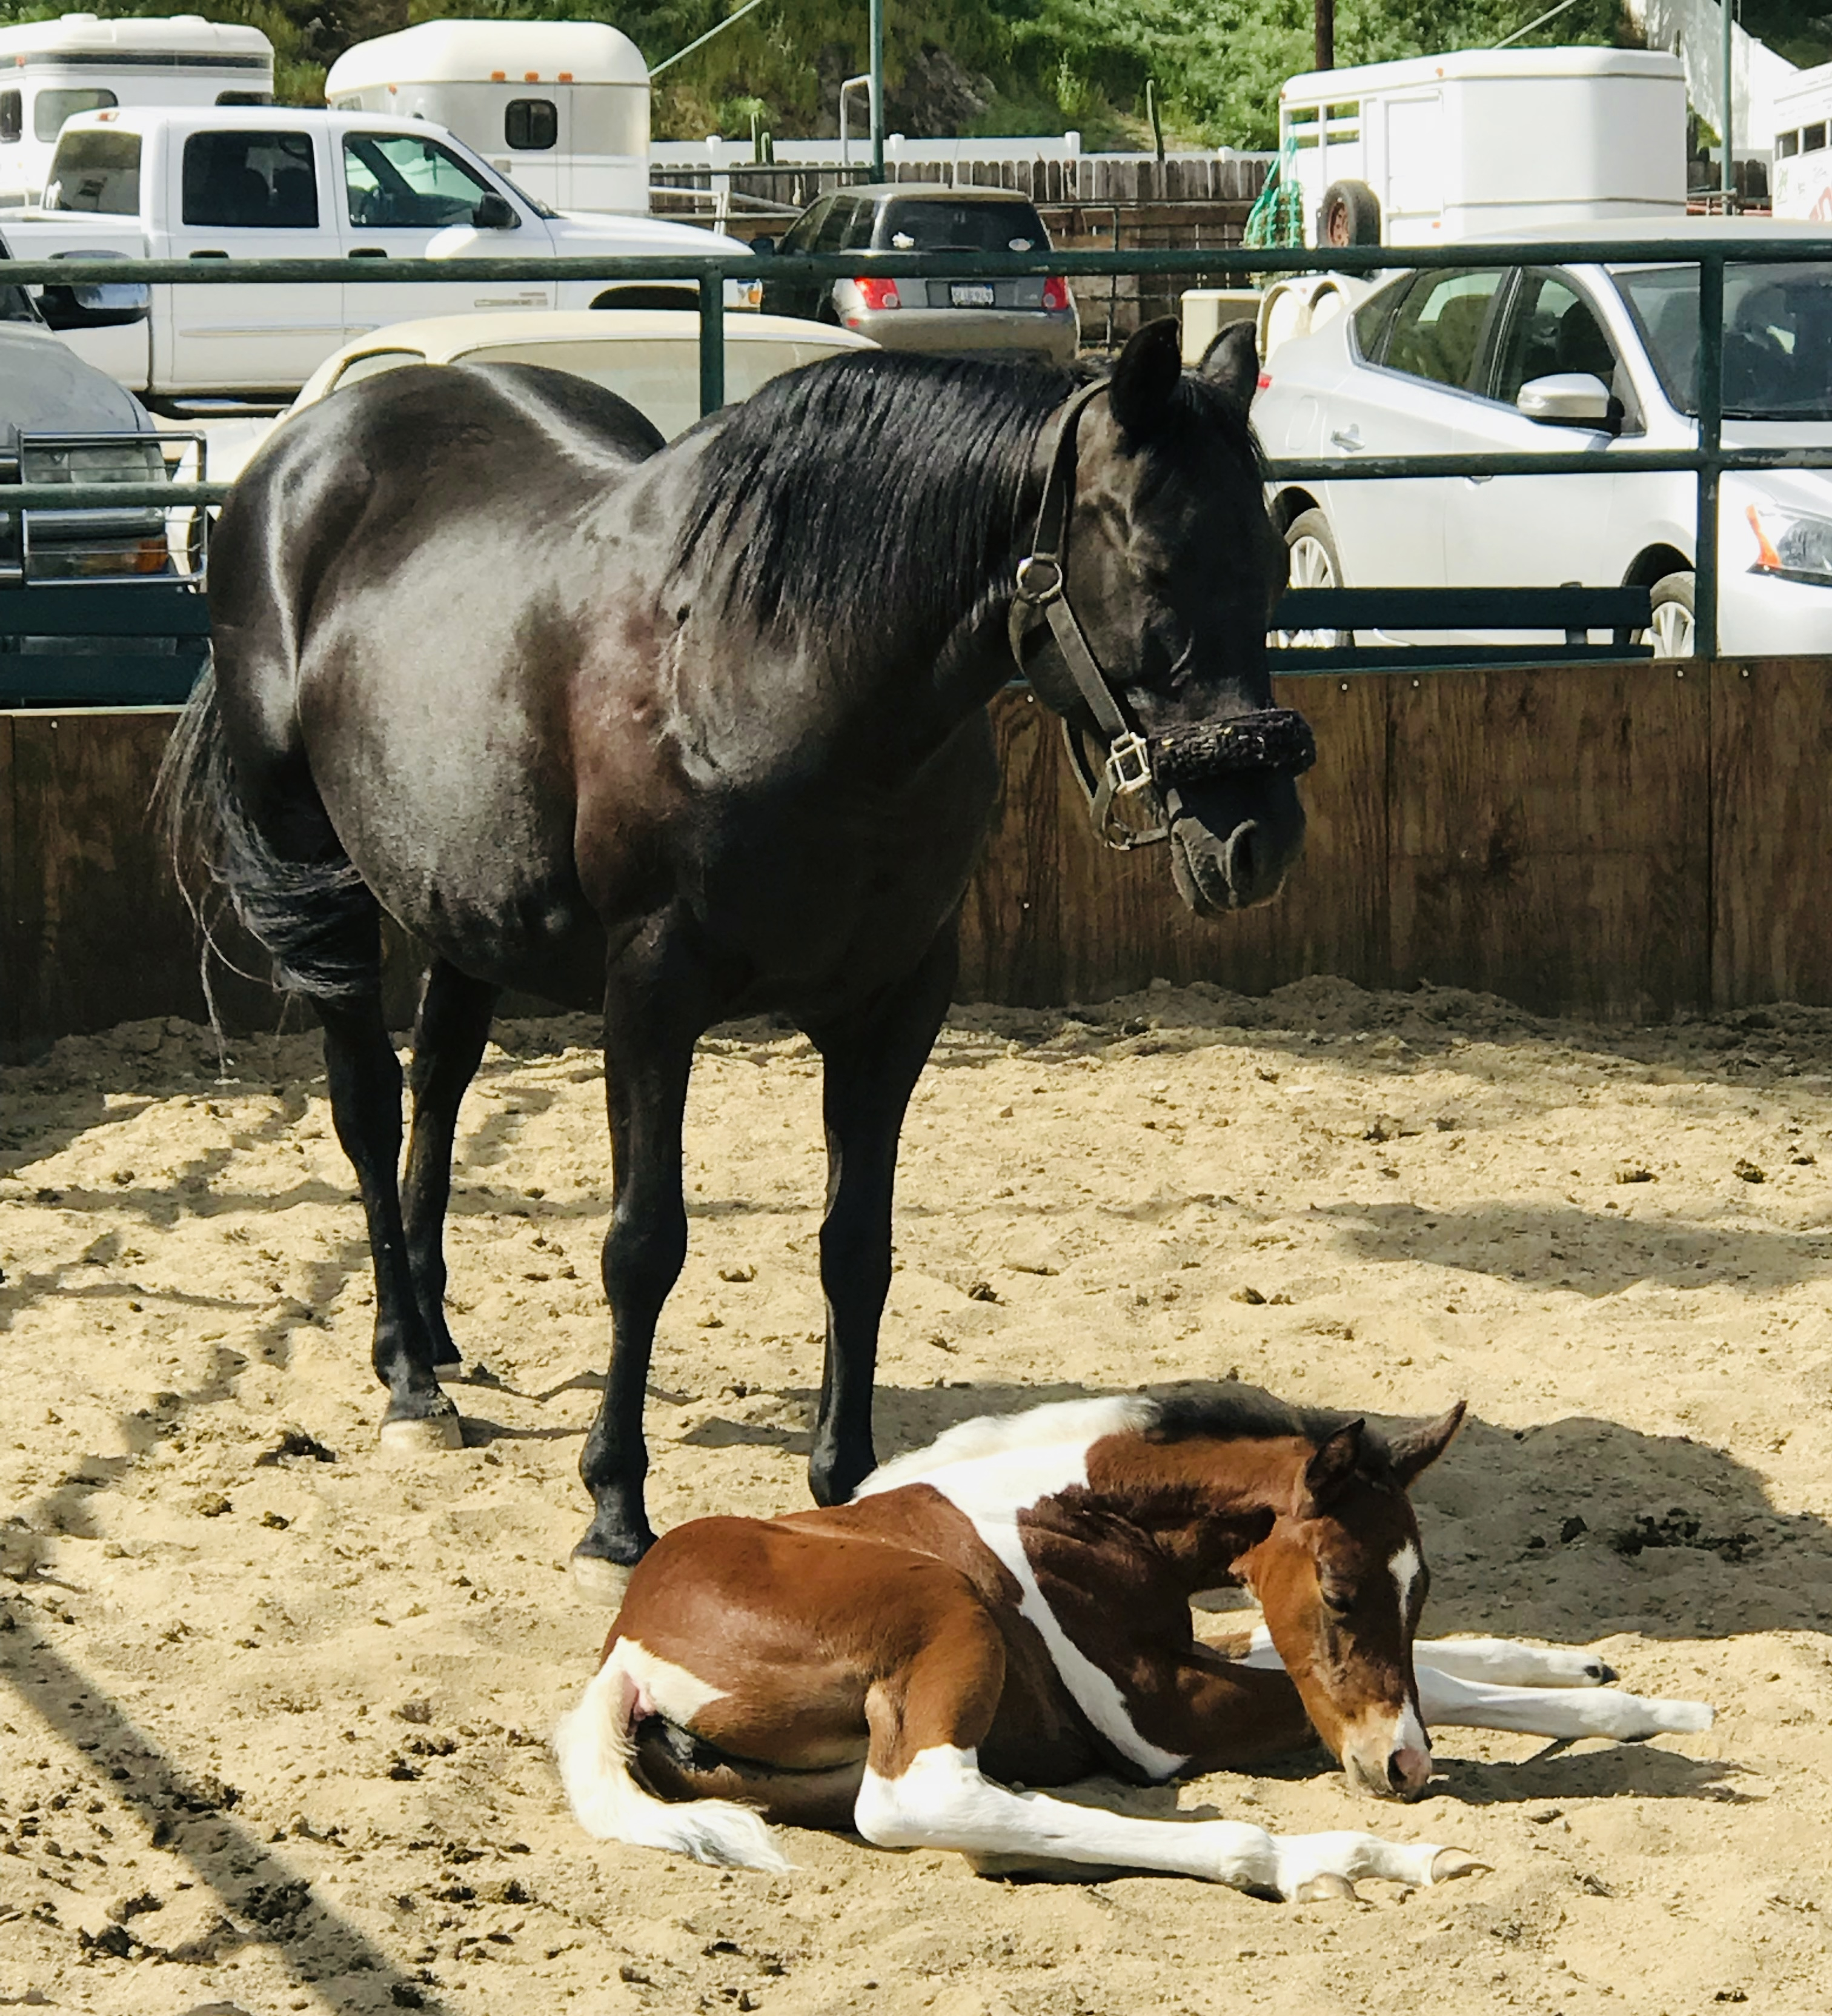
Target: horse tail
<point>594,1744</point>
<point>314,917</point>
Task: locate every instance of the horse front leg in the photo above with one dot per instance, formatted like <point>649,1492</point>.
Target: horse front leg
<point>449,1034</point>
<point>658,1002</point>
<point>872,1065</point>
<point>363,1076</point>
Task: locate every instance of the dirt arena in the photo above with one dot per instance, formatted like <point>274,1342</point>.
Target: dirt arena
<point>272,1733</point>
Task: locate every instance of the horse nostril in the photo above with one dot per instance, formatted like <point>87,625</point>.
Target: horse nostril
<point>1396,1771</point>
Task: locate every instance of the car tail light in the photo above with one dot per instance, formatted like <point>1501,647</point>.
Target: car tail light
<point>1265,381</point>
<point>877,293</point>
<point>1056,292</point>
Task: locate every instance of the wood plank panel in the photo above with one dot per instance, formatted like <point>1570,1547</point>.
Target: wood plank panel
<point>1053,917</point>
<point>1771,832</point>
<point>10,921</point>
<point>1551,838</point>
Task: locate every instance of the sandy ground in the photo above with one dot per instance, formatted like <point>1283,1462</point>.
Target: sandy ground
<point>271,1736</point>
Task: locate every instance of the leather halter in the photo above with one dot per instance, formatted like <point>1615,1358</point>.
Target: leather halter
<point>1144,770</point>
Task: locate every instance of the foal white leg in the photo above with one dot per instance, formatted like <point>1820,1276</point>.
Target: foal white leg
<point>942,1800</point>
<point>1567,1712</point>
<point>1504,1663</point>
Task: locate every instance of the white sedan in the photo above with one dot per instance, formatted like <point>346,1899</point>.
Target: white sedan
<point>1602,359</point>
<point>649,356</point>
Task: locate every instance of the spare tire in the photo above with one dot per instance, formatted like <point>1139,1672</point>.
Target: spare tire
<point>1349,214</point>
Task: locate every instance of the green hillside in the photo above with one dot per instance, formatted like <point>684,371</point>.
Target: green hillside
<point>982,65</point>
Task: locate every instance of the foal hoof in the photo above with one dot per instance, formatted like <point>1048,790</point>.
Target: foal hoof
<point>1448,1864</point>
<point>403,1441</point>
<point>599,1580</point>
<point>1321,1889</point>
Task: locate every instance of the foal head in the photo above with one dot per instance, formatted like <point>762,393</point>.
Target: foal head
<point>1172,566</point>
<point>1342,1579</point>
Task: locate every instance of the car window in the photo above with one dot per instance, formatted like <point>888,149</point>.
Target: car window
<point>1371,317</point>
<point>913,223</point>
<point>50,108</point>
<point>832,231</point>
<point>1777,336</point>
<point>859,226</point>
<point>1437,332</point>
<point>399,182</point>
<point>1551,328</point>
<point>372,364</point>
<point>800,236</point>
<point>97,170</point>
<point>263,181</point>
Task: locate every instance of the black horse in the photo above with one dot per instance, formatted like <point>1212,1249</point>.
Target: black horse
<point>697,731</point>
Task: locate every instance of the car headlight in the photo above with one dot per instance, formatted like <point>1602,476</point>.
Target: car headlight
<point>1791,546</point>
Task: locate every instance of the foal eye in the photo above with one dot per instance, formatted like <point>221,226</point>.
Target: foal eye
<point>1338,1602</point>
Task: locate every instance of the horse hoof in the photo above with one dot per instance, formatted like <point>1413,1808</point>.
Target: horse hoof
<point>1321,1889</point>
<point>1448,1864</point>
<point>599,1580</point>
<point>403,1441</point>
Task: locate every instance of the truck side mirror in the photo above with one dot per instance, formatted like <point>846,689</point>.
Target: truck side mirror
<point>496,212</point>
<point>110,304</point>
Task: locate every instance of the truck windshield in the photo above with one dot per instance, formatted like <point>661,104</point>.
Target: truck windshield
<point>1777,336</point>
<point>95,168</point>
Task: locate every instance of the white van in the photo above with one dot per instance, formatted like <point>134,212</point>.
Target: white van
<point>1800,182</point>
<point>51,70</point>
<point>560,107</point>
<point>1485,140</point>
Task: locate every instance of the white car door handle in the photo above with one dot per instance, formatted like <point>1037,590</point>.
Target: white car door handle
<point>1348,438</point>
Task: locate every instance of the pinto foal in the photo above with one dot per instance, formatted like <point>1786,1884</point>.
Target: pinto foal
<point>1010,1607</point>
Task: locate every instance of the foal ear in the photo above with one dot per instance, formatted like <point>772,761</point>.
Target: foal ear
<point>1231,364</point>
<point>1145,381</point>
<point>1333,1465</point>
<point>1417,1450</point>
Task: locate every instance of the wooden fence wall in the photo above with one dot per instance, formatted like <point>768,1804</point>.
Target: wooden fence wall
<point>1623,842</point>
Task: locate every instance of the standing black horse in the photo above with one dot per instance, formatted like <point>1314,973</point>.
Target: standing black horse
<point>697,731</point>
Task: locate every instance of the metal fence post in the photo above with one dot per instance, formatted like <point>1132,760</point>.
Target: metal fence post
<point>712,339</point>
<point>1711,429</point>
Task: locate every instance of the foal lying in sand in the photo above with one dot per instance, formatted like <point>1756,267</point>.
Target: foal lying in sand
<point>1010,1607</point>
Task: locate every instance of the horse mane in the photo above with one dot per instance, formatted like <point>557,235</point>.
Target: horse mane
<point>1234,1413</point>
<point>872,494</point>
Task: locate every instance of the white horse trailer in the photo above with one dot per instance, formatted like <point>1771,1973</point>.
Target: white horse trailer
<point>560,107</point>
<point>1800,183</point>
<point>51,70</point>
<point>1441,147</point>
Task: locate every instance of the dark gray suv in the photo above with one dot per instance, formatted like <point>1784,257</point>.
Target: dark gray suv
<point>965,316</point>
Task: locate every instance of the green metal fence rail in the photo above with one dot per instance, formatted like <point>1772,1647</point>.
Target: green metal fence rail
<point>1706,462</point>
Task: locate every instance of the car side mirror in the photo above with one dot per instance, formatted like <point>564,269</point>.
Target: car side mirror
<point>496,212</point>
<point>765,248</point>
<point>1568,399</point>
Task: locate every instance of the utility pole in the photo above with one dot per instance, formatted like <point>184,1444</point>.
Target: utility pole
<point>1326,34</point>
<point>877,90</point>
<point>1727,180</point>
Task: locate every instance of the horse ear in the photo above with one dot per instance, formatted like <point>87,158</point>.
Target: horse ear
<point>1231,364</point>
<point>1333,1465</point>
<point>1144,381</point>
<point>1416,1451</point>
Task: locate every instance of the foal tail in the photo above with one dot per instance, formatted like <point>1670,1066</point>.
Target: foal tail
<point>314,915</point>
<point>594,1746</point>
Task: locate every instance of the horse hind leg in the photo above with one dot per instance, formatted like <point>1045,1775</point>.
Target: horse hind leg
<point>449,1034</point>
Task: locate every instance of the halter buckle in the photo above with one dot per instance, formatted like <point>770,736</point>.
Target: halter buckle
<point>1128,765</point>
<point>1033,590</point>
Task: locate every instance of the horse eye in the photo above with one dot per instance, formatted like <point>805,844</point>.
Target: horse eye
<point>1338,1602</point>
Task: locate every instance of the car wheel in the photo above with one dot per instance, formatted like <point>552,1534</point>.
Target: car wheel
<point>1314,562</point>
<point>1670,630</point>
<point>1349,214</point>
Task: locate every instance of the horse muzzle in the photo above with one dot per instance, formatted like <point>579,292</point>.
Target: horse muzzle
<point>1388,1757</point>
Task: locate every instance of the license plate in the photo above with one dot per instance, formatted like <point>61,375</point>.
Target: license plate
<point>970,294</point>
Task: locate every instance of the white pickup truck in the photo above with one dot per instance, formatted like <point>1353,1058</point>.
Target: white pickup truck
<point>274,182</point>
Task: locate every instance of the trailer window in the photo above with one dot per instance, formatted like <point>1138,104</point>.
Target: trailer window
<point>50,108</point>
<point>529,124</point>
<point>97,169</point>
<point>1437,332</point>
<point>12,115</point>
<point>250,180</point>
<point>1812,138</point>
<point>1787,145</point>
<point>244,98</point>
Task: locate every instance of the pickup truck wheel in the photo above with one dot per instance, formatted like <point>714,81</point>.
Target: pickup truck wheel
<point>1671,631</point>
<point>1315,563</point>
